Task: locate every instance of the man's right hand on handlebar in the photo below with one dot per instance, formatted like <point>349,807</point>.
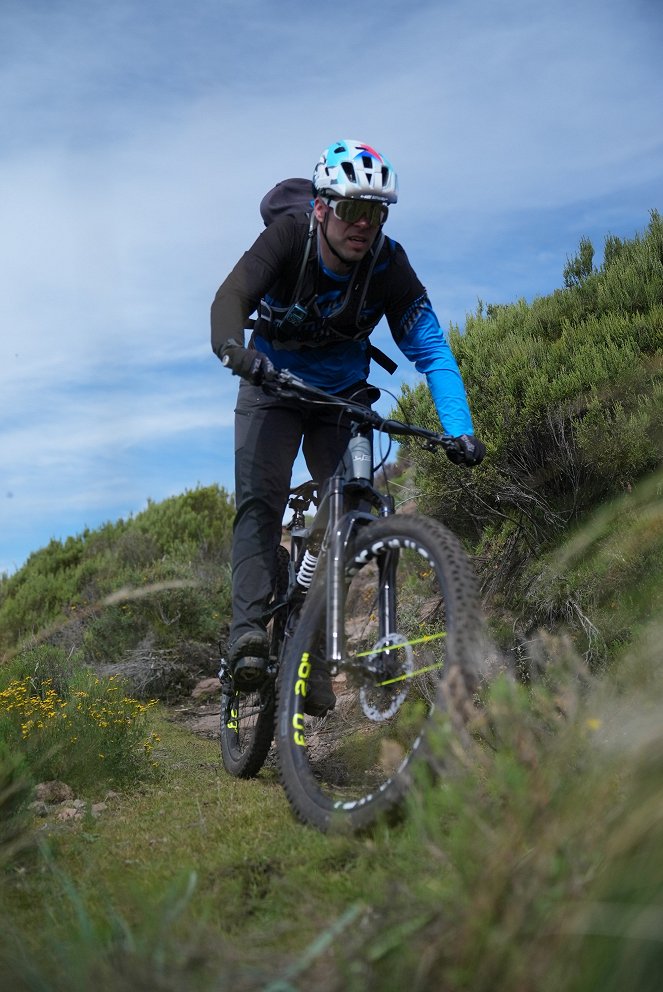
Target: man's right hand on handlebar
<point>469,450</point>
<point>246,362</point>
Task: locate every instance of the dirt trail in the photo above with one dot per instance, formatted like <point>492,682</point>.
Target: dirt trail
<point>200,712</point>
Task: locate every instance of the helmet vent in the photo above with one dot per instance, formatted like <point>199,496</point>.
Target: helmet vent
<point>348,169</point>
<point>367,160</point>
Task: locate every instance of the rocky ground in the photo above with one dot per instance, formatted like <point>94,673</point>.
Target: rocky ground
<point>200,712</point>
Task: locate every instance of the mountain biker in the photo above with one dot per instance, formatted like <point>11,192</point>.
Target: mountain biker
<point>320,282</point>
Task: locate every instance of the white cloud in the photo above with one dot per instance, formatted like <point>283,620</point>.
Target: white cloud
<point>141,137</point>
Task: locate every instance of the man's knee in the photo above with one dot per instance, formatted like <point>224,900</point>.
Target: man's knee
<point>260,511</point>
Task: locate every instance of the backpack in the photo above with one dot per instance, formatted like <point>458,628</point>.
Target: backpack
<point>294,196</point>
<point>291,196</point>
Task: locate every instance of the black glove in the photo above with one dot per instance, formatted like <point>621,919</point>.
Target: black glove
<point>249,364</point>
<point>470,450</point>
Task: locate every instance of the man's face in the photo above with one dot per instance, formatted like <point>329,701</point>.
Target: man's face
<point>352,241</point>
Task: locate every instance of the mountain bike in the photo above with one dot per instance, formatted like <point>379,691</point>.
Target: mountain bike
<point>384,605</point>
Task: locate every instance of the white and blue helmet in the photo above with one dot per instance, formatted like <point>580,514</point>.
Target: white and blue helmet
<point>354,170</point>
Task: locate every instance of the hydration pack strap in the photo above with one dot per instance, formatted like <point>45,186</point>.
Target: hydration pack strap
<point>307,252</point>
<point>264,310</point>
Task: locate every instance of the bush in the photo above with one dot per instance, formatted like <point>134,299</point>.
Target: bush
<point>42,663</point>
<point>89,736</point>
<point>606,583</point>
<point>184,542</point>
<point>567,393</point>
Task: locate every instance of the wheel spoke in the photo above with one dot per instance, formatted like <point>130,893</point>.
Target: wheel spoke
<point>412,675</point>
<point>415,640</point>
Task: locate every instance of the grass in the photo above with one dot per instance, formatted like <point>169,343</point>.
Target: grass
<point>536,864</point>
<point>607,580</point>
<point>241,886</point>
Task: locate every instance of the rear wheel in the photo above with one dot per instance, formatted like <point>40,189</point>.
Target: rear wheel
<point>342,771</point>
<point>247,729</point>
<point>247,718</point>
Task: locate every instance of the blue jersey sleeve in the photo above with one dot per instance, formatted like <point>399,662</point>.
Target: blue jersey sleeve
<point>423,342</point>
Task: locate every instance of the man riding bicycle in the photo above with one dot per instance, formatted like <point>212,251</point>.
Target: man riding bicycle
<point>320,282</point>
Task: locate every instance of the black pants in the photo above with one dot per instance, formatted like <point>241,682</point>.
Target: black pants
<point>268,433</point>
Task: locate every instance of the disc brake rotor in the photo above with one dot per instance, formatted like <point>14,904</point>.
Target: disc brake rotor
<point>390,663</point>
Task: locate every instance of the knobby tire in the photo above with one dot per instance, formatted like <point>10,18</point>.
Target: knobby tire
<point>342,771</point>
<point>247,730</point>
<point>247,718</point>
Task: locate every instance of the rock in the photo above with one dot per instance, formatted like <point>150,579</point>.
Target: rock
<point>53,792</point>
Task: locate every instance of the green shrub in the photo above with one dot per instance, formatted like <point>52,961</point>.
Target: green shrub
<point>180,603</point>
<point>42,663</point>
<point>195,525</point>
<point>183,540</point>
<point>606,583</point>
<point>61,721</point>
<point>89,736</point>
<point>567,393</point>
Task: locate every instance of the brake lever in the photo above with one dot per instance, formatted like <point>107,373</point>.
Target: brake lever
<point>444,441</point>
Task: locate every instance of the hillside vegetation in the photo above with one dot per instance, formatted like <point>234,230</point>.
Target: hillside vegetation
<point>567,393</point>
<point>160,578</point>
<point>535,865</point>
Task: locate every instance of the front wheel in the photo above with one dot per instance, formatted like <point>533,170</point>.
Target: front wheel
<point>412,618</point>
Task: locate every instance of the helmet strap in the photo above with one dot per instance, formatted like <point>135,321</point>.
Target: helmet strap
<point>323,231</point>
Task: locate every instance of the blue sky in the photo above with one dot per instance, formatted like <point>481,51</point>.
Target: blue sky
<point>138,138</point>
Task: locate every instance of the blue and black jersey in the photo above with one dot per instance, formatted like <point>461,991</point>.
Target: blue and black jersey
<point>325,338</point>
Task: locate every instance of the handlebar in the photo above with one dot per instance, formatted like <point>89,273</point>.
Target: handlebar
<point>288,385</point>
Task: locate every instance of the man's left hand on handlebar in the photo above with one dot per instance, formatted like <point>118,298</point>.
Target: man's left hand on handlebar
<point>469,450</point>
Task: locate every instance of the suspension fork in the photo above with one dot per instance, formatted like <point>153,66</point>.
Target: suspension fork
<point>335,574</point>
<point>340,526</point>
<point>387,565</point>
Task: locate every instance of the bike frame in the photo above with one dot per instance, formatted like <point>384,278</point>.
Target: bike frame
<point>338,523</point>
